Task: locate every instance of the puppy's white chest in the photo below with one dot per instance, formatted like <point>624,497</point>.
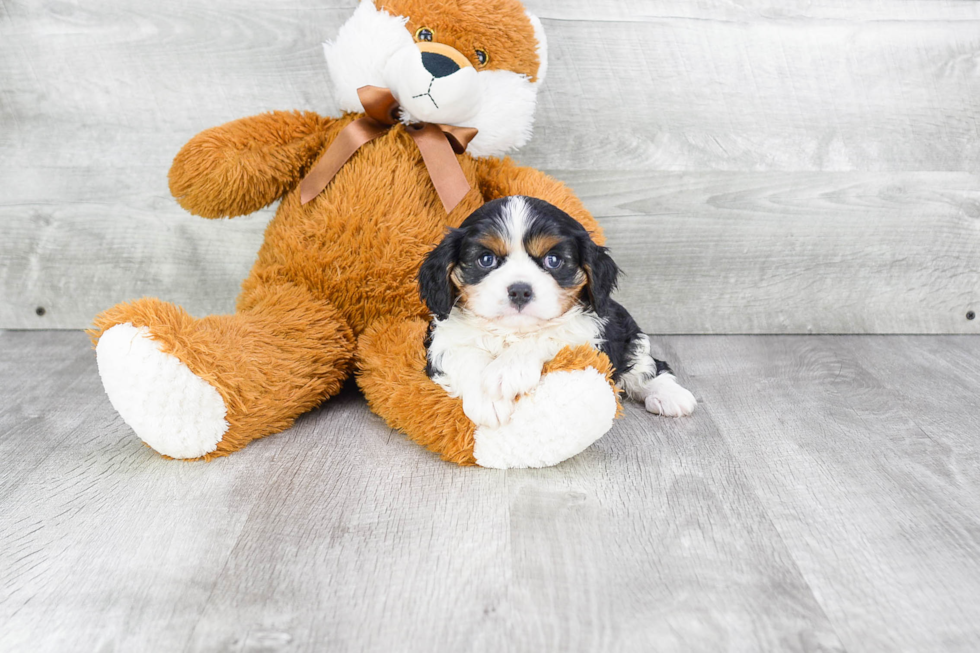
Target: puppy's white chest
<point>463,346</point>
<point>546,345</point>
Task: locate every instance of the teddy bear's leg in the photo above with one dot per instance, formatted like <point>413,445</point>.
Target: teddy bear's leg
<point>202,388</point>
<point>574,405</point>
<point>391,374</point>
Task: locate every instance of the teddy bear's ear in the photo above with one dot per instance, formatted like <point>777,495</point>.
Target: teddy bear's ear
<point>357,56</point>
<point>542,46</point>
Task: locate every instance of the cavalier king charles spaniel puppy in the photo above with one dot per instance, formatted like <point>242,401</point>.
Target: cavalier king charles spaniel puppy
<point>519,280</point>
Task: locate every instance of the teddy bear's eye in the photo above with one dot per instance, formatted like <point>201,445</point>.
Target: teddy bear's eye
<point>482,57</point>
<point>424,34</point>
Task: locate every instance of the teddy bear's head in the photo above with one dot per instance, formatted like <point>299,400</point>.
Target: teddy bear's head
<point>469,63</point>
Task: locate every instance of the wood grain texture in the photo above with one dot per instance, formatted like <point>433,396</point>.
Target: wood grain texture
<point>761,85</point>
<point>823,498</point>
<point>88,530</point>
<point>793,252</point>
<point>703,253</point>
<point>801,139</point>
<point>341,535</point>
<point>864,452</point>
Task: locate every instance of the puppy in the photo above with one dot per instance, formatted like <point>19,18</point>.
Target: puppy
<point>518,281</point>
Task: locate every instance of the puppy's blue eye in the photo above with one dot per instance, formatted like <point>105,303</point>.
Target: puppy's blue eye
<point>552,262</point>
<point>488,260</point>
<point>424,34</point>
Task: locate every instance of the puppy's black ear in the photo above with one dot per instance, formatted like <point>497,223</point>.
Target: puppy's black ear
<point>601,274</point>
<point>435,286</point>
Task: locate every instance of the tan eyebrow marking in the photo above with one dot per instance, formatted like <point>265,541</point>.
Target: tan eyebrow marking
<point>538,246</point>
<point>495,244</point>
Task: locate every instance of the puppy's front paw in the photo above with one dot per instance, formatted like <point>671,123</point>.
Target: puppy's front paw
<point>668,398</point>
<point>484,410</point>
<point>507,377</point>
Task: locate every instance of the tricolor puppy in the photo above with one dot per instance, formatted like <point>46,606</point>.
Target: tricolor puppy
<point>518,281</point>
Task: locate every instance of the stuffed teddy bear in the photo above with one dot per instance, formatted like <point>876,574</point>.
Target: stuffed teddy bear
<point>434,92</point>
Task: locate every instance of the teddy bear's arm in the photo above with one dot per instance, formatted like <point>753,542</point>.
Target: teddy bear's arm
<point>244,165</point>
<point>502,177</point>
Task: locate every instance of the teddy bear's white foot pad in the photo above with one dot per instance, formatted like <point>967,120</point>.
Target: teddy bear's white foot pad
<point>566,413</point>
<point>169,407</point>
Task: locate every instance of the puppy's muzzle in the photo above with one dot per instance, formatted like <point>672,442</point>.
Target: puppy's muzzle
<point>520,294</point>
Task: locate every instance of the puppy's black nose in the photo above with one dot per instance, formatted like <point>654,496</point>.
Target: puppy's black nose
<point>439,65</point>
<point>520,294</point>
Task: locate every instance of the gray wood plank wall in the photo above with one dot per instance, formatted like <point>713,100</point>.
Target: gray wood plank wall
<point>766,166</point>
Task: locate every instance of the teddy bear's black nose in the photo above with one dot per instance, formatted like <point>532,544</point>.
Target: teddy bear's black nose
<point>439,65</point>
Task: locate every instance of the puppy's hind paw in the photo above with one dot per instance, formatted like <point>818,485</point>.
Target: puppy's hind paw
<point>665,396</point>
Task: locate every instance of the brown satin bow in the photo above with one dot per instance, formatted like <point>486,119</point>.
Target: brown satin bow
<point>439,145</point>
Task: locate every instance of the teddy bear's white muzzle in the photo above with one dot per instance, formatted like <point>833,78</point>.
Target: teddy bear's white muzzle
<point>431,88</point>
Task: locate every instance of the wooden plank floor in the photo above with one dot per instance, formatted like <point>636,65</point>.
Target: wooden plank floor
<point>825,497</point>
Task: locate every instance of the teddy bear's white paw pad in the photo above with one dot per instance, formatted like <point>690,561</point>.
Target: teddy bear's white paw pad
<point>168,406</point>
<point>567,412</point>
<point>669,398</point>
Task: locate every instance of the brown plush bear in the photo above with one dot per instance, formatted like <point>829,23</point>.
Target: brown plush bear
<point>333,291</point>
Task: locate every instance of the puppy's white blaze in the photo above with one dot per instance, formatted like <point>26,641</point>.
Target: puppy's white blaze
<point>518,218</point>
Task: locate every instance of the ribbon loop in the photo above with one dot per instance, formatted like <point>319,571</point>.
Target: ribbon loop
<point>438,144</point>
<point>379,103</point>
<point>459,137</point>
